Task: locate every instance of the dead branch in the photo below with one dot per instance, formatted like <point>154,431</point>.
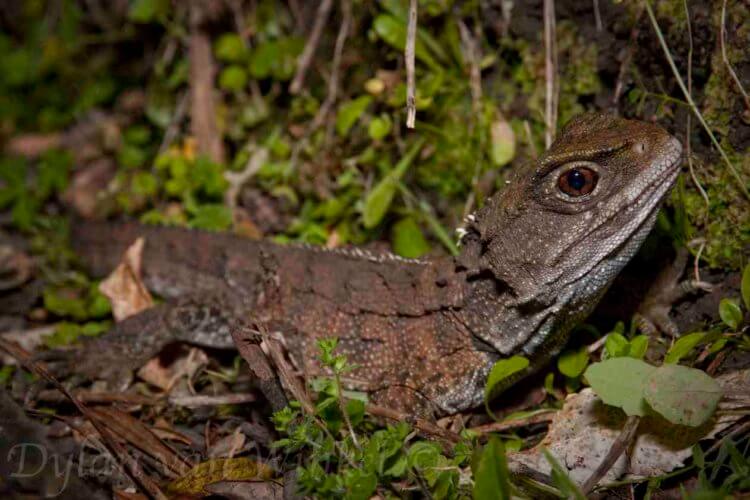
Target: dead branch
<point>248,341</point>
<point>305,59</point>
<point>515,423</point>
<point>203,109</point>
<point>425,426</point>
<point>472,53</point>
<point>334,79</point>
<point>411,36</point>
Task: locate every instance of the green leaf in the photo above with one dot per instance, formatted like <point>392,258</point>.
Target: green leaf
<point>730,313</point>
<point>620,382</point>
<point>503,143</point>
<point>682,395</point>
<point>407,239</point>
<point>65,302</point>
<point>683,346</point>
<point>638,347</point>
<point>53,170</point>
<point>572,363</point>
<point>350,112</point>
<point>500,372</point>
<point>491,477</point>
<point>378,201</point>
<point>616,345</point>
<point>146,11</point>
<point>230,47</point>
<point>360,485</point>
<point>379,127</point>
<point>233,78</point>
<point>211,216</point>
<point>745,286</point>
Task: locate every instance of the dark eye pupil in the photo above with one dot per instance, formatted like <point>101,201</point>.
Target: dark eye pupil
<point>576,179</point>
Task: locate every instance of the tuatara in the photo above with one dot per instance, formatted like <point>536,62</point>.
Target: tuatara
<point>424,334</point>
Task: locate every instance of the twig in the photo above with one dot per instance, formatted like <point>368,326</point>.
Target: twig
<point>344,413</point>
<point>550,72</point>
<point>335,78</point>
<point>333,84</point>
<point>691,103</point>
<point>238,179</point>
<point>726,59</point>
<point>598,16</point>
<point>688,122</point>
<point>203,110</point>
<point>597,344</point>
<point>515,423</point>
<point>618,447</point>
<point>86,396</point>
<point>174,123</point>
<point>305,58</point>
<point>696,268</point>
<point>425,426</point>
<point>411,36</point>
<point>220,399</point>
<point>530,139</point>
<point>471,52</point>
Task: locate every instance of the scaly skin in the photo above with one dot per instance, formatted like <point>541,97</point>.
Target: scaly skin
<point>424,334</point>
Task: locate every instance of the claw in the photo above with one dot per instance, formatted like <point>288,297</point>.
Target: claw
<point>667,290</point>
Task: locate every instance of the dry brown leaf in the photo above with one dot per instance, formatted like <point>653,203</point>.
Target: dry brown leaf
<point>244,490</point>
<point>165,377</point>
<point>124,287</point>
<point>228,446</point>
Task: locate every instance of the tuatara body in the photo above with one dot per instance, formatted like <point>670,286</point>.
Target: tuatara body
<point>423,334</point>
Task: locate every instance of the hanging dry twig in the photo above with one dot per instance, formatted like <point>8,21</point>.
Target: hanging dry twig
<point>306,57</point>
<point>411,36</point>
<point>471,51</point>
<point>335,78</point>
<point>688,122</point>
<point>550,71</point>
<point>203,109</point>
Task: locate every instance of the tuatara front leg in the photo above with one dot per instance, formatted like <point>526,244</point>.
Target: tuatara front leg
<point>132,342</point>
<point>667,290</point>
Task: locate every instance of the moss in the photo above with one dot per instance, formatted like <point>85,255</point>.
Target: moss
<point>725,222</point>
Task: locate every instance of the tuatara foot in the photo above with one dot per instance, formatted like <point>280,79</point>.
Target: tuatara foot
<point>652,315</point>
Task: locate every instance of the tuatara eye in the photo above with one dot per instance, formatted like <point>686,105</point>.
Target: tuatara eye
<point>577,181</point>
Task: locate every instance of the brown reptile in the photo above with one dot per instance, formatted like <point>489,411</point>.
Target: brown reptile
<point>423,334</point>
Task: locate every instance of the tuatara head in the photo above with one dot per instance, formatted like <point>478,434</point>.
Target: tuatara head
<point>556,237</point>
